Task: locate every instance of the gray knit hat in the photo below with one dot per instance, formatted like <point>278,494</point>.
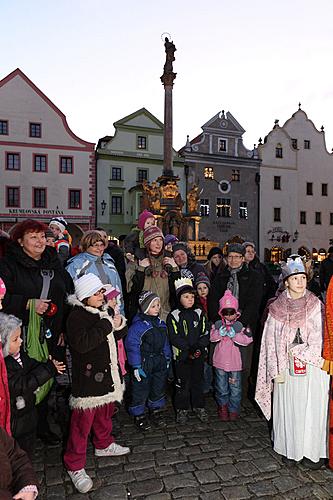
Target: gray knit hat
<point>237,248</point>
<point>8,325</point>
<point>146,298</point>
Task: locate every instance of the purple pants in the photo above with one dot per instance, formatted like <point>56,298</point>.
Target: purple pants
<point>96,420</point>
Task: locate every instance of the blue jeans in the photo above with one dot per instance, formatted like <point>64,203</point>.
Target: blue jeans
<point>228,389</point>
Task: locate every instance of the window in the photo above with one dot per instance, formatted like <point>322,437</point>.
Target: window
<point>307,144</point>
<point>142,174</point>
<point>13,161</point>
<point>277,214</point>
<point>331,218</point>
<point>302,217</point>
<point>116,173</point>
<point>39,197</point>
<point>66,164</point>
<point>75,198</point>
<point>116,205</point>
<point>3,127</point>
<point>222,145</point>
<point>318,217</point>
<point>204,207</point>
<point>223,207</point>
<point>279,151</point>
<point>324,189</point>
<point>13,196</point>
<point>141,142</point>
<point>277,182</point>
<point>294,143</point>
<point>35,130</point>
<point>309,188</point>
<point>243,214</point>
<point>209,173</point>
<point>235,175</point>
<point>40,163</point>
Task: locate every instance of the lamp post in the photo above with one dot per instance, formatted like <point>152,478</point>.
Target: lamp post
<point>103,206</point>
<point>186,171</point>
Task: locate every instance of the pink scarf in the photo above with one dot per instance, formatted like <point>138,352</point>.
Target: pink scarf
<point>4,396</point>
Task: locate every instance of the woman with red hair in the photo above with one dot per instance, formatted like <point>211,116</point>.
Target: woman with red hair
<point>36,288</point>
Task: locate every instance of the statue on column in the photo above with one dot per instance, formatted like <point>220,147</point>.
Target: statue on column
<point>170,50</point>
<point>193,199</point>
<point>151,195</point>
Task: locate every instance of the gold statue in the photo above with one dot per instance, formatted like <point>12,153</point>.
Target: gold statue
<point>170,190</point>
<point>151,195</point>
<point>193,199</point>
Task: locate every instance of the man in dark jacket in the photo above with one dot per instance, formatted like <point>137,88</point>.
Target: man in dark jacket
<point>247,286</point>
<point>326,270</point>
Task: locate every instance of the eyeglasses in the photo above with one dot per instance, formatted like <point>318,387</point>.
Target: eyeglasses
<point>98,245</point>
<point>228,312</point>
<point>102,290</point>
<point>234,257</point>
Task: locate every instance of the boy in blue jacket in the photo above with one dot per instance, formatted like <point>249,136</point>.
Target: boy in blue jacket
<point>149,355</point>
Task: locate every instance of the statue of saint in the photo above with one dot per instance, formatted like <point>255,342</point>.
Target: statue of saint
<point>170,50</point>
<point>155,197</point>
<point>193,199</point>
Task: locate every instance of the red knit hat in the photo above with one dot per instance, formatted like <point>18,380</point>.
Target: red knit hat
<point>143,217</point>
<point>150,233</point>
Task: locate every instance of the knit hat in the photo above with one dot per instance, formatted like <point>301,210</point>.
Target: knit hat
<point>143,217</point>
<point>2,288</point>
<point>214,251</point>
<point>150,233</point>
<point>87,285</point>
<point>293,266</point>
<point>249,244</point>
<point>59,222</point>
<point>8,324</point>
<point>237,248</point>
<point>112,293</point>
<point>183,285</point>
<point>170,238</point>
<point>146,298</point>
<point>202,278</point>
<point>180,245</point>
<point>228,301</point>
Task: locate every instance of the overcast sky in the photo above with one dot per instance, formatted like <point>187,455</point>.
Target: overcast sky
<point>101,60</point>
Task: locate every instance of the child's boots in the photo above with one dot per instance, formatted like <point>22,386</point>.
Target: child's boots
<point>142,422</point>
<point>223,413</point>
<point>157,418</point>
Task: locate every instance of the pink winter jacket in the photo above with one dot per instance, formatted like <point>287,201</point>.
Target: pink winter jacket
<point>227,355</point>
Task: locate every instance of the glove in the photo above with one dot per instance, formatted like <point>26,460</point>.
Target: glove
<point>195,352</point>
<point>168,361</point>
<point>138,373</point>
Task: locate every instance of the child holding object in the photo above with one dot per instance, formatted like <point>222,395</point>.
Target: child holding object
<point>228,334</point>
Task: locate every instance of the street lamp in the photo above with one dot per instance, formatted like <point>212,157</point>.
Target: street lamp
<point>103,206</point>
<point>295,237</point>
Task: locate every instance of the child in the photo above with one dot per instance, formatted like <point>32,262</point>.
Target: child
<point>96,377</point>
<point>133,243</point>
<point>25,375</point>
<point>149,355</point>
<point>202,286</point>
<point>113,304</point>
<point>169,241</point>
<point>50,238</point>
<point>188,333</point>
<point>63,240</point>
<point>229,335</point>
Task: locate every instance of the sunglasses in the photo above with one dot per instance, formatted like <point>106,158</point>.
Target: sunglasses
<point>228,312</point>
<point>102,290</point>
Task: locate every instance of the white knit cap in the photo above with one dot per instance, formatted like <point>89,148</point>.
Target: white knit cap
<point>87,285</point>
<point>59,222</point>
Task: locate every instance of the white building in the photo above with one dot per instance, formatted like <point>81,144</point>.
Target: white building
<point>132,155</point>
<point>46,170</point>
<point>296,208</point>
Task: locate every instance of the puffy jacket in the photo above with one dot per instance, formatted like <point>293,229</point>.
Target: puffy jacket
<point>188,330</point>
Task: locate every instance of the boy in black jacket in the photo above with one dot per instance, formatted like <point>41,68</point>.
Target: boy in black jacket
<point>188,333</point>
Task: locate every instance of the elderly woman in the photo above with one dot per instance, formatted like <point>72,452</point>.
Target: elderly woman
<point>34,277</point>
<point>93,259</point>
<point>156,273</point>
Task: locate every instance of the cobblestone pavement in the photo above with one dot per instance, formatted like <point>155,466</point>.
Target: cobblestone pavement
<point>218,460</point>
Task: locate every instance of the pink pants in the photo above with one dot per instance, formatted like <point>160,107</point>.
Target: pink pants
<point>99,421</point>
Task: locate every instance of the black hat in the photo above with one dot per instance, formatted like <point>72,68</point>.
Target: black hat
<point>214,251</point>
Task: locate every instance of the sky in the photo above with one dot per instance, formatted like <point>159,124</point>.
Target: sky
<point>101,60</point>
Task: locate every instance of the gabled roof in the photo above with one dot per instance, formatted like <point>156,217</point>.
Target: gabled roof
<point>17,73</point>
<point>129,118</point>
<point>214,123</point>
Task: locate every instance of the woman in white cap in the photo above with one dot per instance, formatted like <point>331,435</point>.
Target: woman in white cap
<point>97,381</point>
<point>290,366</point>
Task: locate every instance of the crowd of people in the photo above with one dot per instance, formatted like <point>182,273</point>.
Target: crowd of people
<point>145,317</point>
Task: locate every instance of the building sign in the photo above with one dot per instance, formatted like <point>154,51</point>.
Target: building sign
<point>34,211</point>
<point>222,226</point>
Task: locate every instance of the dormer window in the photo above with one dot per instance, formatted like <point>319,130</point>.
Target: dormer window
<point>222,145</point>
<point>279,151</point>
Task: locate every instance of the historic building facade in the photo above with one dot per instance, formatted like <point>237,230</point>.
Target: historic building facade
<point>227,174</point>
<point>296,211</point>
<point>124,161</point>
<point>46,170</point>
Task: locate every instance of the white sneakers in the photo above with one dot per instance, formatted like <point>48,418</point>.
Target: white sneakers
<point>82,482</point>
<point>113,450</point>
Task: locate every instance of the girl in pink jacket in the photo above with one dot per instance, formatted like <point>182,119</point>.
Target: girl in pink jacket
<point>229,334</point>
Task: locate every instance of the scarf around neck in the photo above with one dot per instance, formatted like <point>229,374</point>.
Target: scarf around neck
<point>233,284</point>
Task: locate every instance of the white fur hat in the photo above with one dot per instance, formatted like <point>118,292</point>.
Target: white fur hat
<point>87,285</point>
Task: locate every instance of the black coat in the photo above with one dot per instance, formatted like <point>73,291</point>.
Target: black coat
<point>24,381</point>
<point>16,471</point>
<point>23,280</point>
<point>96,376</point>
<point>188,331</point>
<point>325,273</point>
<point>270,286</point>
<point>250,295</point>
